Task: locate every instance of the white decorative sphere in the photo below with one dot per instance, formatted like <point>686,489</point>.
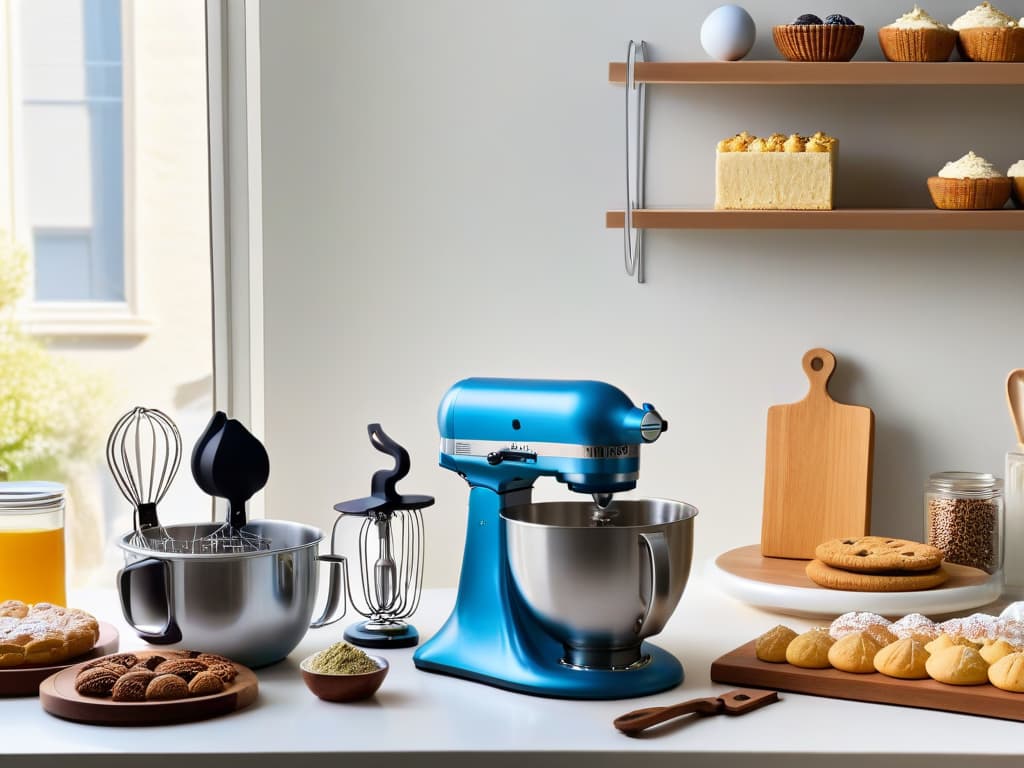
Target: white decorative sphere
<point>728,33</point>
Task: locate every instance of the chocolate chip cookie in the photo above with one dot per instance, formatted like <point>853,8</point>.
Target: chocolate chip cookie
<point>871,554</point>
<point>836,578</point>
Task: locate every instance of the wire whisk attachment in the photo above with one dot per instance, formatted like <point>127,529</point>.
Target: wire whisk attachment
<point>390,555</point>
<point>144,453</point>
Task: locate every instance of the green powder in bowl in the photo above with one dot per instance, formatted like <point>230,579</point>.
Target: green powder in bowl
<point>342,659</point>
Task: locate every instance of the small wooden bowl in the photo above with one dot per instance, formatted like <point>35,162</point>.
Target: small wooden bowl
<point>916,44</point>
<point>992,44</point>
<point>344,687</point>
<point>1017,190</point>
<point>817,42</point>
<point>969,194</point>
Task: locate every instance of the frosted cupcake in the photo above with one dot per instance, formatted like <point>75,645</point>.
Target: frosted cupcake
<point>986,33</point>
<point>984,15</point>
<point>970,183</point>
<point>916,36</point>
<point>1016,175</point>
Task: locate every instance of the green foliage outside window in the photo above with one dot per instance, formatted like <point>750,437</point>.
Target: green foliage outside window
<point>51,409</point>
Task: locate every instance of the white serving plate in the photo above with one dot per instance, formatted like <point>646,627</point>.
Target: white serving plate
<point>780,586</point>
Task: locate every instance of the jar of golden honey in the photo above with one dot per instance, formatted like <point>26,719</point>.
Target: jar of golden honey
<point>32,542</point>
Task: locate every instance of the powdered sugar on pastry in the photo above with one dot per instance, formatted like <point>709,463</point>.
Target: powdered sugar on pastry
<point>977,626</point>
<point>855,621</point>
<point>914,624</point>
<point>1011,630</point>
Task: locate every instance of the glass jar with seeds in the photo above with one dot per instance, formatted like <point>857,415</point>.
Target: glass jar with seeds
<point>964,518</point>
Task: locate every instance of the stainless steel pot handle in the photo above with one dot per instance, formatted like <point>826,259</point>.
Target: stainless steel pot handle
<point>659,608</point>
<point>170,632</point>
<point>338,571</point>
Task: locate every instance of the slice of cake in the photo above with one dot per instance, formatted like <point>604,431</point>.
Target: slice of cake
<point>775,173</point>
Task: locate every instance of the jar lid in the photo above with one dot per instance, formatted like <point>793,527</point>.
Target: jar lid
<point>965,482</point>
<point>30,496</point>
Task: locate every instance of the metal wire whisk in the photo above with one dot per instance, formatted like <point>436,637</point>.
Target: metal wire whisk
<point>393,581</point>
<point>392,584</point>
<point>144,453</point>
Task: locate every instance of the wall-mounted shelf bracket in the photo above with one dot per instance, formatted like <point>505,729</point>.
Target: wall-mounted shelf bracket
<point>636,159</point>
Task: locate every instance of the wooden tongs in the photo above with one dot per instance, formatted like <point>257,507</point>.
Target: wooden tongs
<point>737,702</point>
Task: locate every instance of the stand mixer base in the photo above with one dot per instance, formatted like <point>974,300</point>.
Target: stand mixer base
<point>404,637</point>
<point>556,680</point>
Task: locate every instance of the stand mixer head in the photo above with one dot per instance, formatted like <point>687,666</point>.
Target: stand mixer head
<point>512,626</point>
<point>505,433</point>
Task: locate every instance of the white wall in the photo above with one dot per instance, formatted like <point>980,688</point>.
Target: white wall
<point>435,180</point>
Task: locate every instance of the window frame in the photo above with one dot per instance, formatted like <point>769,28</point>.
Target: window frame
<point>78,318</point>
<point>236,219</point>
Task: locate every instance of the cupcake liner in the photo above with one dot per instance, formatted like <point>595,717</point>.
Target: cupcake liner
<point>817,42</point>
<point>916,44</point>
<point>969,194</point>
<point>1017,189</point>
<point>992,44</point>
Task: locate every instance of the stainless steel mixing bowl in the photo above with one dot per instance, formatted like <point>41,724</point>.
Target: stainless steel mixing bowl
<point>253,607</point>
<point>600,582</point>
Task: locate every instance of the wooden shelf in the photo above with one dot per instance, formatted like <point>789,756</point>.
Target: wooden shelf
<point>841,218</point>
<point>821,73</point>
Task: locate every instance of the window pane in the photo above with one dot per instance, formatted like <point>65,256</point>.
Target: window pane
<point>62,264</point>
<point>110,198</point>
<point>73,118</point>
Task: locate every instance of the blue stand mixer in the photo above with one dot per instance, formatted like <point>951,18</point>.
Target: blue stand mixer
<point>555,599</point>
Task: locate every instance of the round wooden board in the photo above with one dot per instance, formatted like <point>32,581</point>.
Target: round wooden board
<point>24,680</point>
<point>59,697</point>
<point>779,584</point>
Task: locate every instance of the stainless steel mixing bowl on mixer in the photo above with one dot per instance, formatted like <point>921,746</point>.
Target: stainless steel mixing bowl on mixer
<point>600,580</point>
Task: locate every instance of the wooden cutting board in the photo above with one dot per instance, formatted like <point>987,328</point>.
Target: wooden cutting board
<point>24,680</point>
<point>742,667</point>
<point>59,697</point>
<point>817,479</point>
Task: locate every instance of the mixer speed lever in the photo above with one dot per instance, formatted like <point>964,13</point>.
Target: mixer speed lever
<point>736,702</point>
<point>496,457</point>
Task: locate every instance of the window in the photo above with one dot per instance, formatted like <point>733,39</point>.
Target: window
<point>105,182</point>
<point>73,147</point>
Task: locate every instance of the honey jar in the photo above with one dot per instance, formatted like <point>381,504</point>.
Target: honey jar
<point>32,542</point>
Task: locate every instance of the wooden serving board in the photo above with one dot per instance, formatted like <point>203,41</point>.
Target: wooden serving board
<point>24,680</point>
<point>817,478</point>
<point>59,697</point>
<point>742,667</point>
<point>781,585</point>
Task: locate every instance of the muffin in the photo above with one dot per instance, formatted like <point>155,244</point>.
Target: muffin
<point>916,36</point>
<point>1016,176</point>
<point>993,44</point>
<point>970,183</point>
<point>989,34</point>
<point>809,38</point>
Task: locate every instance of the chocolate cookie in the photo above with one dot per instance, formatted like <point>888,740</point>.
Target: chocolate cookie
<point>870,554</point>
<point>835,578</point>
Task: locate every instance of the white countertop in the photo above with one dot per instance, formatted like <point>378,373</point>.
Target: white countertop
<point>426,719</point>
